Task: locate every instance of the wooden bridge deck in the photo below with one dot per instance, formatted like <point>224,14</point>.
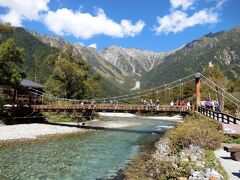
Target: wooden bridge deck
<point>112,108</point>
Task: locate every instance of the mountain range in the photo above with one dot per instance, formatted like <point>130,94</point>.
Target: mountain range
<point>121,66</point>
<point>126,69</point>
<point>221,48</point>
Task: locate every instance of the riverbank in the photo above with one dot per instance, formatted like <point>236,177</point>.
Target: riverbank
<point>32,131</point>
<point>29,133</point>
<point>186,152</point>
<point>35,130</point>
<point>21,134</point>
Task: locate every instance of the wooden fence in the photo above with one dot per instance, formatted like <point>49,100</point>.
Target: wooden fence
<point>219,116</point>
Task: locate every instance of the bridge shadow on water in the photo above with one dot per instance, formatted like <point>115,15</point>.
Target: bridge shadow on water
<point>108,129</point>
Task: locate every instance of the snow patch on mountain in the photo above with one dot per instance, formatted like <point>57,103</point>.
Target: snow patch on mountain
<point>137,86</point>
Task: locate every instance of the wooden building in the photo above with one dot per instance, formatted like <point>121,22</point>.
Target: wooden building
<point>28,93</point>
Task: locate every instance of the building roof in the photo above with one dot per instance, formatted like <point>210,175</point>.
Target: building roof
<point>29,83</point>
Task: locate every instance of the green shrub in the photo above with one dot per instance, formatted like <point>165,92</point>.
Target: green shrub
<point>197,130</point>
<point>145,167</point>
<point>232,140</point>
<point>59,117</point>
<point>185,167</point>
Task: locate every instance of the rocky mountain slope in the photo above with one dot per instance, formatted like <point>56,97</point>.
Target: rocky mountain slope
<point>222,48</point>
<point>130,60</point>
<point>121,66</point>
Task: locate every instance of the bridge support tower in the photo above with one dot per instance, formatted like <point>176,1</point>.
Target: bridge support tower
<point>198,86</point>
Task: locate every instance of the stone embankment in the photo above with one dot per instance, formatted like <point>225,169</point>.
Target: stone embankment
<point>193,155</point>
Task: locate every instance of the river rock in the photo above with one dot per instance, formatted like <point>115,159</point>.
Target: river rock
<point>163,151</point>
<point>193,153</point>
<point>196,175</point>
<point>207,174</point>
<point>213,174</point>
<point>200,164</point>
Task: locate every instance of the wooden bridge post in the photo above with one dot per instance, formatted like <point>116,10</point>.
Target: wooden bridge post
<point>197,85</point>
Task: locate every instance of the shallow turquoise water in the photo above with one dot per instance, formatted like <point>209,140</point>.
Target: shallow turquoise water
<point>94,155</point>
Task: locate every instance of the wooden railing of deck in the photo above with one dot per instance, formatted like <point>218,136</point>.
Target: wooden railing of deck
<point>219,116</point>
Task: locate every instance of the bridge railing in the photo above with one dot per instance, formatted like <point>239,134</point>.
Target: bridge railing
<point>113,107</point>
<point>219,116</point>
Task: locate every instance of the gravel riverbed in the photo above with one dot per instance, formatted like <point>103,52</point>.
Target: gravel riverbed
<point>33,131</point>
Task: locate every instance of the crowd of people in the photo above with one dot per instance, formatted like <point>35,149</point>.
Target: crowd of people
<point>213,105</point>
<point>180,103</point>
<point>150,104</point>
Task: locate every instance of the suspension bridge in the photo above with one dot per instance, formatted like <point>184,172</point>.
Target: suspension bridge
<point>184,89</point>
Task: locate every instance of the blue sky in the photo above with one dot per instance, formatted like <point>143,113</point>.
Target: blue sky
<point>157,25</point>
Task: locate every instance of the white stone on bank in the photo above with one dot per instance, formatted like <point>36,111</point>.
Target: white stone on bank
<point>32,131</point>
<point>117,124</point>
<point>108,114</point>
<point>177,117</point>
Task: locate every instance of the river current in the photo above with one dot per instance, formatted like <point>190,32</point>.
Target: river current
<point>93,155</point>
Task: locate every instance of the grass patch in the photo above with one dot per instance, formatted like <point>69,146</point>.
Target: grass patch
<point>232,140</point>
<point>212,162</point>
<point>61,117</point>
<point>197,130</point>
<point>145,167</point>
<point>69,116</point>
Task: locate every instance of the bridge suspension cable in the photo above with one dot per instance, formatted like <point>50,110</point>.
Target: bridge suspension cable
<point>179,82</point>
<point>151,89</point>
<point>160,88</point>
<point>237,104</point>
<point>228,95</point>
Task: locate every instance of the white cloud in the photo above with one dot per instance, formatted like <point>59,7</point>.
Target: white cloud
<point>93,46</point>
<point>177,21</point>
<point>220,3</point>
<point>184,4</point>
<point>179,18</point>
<point>19,10</point>
<point>84,25</point>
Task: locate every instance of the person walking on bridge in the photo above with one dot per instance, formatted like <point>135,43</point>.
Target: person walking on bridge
<point>182,104</point>
<point>82,104</point>
<point>189,105</point>
<point>176,104</point>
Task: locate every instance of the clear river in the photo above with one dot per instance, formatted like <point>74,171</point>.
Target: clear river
<point>97,154</point>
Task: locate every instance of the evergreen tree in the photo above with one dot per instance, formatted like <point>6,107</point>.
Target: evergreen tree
<point>72,77</point>
<point>11,60</point>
